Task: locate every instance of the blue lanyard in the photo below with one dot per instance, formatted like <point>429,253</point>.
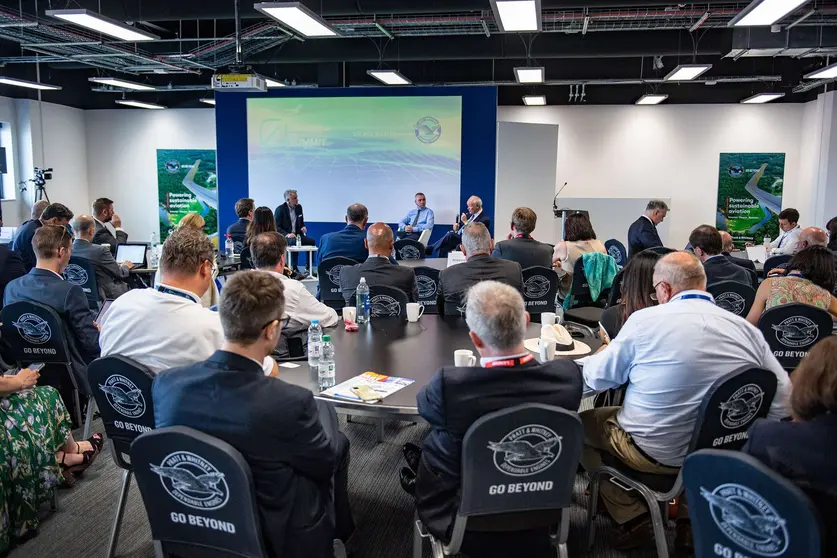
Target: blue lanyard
<point>702,297</point>
<point>162,289</point>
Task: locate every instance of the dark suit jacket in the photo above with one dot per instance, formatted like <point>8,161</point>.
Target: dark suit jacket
<point>743,262</point>
<point>22,243</point>
<point>720,269</point>
<point>104,236</point>
<point>238,231</point>
<point>805,453</point>
<point>379,271</point>
<point>70,303</point>
<point>277,428</point>
<point>110,276</point>
<point>347,243</point>
<point>642,234</point>
<point>455,280</point>
<point>11,267</point>
<point>454,399</point>
<point>282,216</point>
<point>528,252</point>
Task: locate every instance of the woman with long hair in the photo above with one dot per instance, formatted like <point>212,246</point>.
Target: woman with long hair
<point>637,292</point>
<point>262,222</point>
<point>579,238</point>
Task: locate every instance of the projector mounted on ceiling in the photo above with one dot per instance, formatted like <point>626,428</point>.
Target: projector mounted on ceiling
<point>248,82</point>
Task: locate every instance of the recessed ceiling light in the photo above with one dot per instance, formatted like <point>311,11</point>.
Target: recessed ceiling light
<point>139,104</point>
<point>389,77</point>
<point>764,12</point>
<point>29,84</point>
<point>297,17</point>
<point>517,15</point>
<point>102,24</point>
<point>272,83</point>
<point>529,75</point>
<point>763,98</point>
<point>122,83</point>
<point>534,100</point>
<point>208,101</point>
<point>651,99</point>
<point>829,72</point>
<point>686,72</point>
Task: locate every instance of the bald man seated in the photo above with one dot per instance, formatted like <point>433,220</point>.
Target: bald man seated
<point>111,276</point>
<point>378,270</point>
<point>811,236</point>
<point>728,246</point>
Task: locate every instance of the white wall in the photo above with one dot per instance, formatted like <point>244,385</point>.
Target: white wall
<point>667,151</point>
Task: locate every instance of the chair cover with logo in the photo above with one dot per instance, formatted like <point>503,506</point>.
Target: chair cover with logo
<point>80,272</point>
<point>740,507</point>
<point>540,287</point>
<point>198,493</point>
<point>428,285</point>
<point>733,296</point>
<point>408,249</point>
<point>792,330</point>
<point>387,302</point>
<point>615,290</point>
<point>329,280</point>
<point>245,258</point>
<point>616,250</point>
<point>775,261</point>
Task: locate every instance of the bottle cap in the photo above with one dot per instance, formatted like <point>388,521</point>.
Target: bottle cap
<point>315,322</point>
<point>326,338</point>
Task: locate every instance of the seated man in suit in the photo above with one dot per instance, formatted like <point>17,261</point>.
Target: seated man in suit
<point>417,220</point>
<point>479,266</point>
<point>521,247</point>
<point>108,225</point>
<point>456,397</point>
<point>729,246</point>
<point>54,214</point>
<point>111,277</point>
<point>298,458</point>
<point>642,233</point>
<point>244,209</point>
<point>290,223</point>
<point>706,244</point>
<point>45,285</point>
<point>11,267</point>
<point>348,243</point>
<point>378,269</point>
<point>37,210</point>
<point>451,240</point>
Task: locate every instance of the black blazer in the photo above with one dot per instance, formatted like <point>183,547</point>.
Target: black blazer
<point>104,236</point>
<point>720,269</point>
<point>484,219</point>
<point>22,243</point>
<point>641,235</point>
<point>743,262</point>
<point>454,399</point>
<point>282,216</point>
<point>277,428</point>
<point>805,453</point>
<point>455,280</point>
<point>379,271</point>
<point>528,252</point>
<point>11,267</point>
<point>238,231</point>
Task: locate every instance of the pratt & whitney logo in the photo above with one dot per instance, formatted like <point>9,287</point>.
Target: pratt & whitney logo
<point>409,253</point>
<point>742,406</point>
<point>334,274</point>
<point>527,450</point>
<point>172,166</point>
<point>614,253</point>
<point>75,274</point>
<point>33,328</point>
<point>384,305</point>
<point>796,331</point>
<point>428,129</point>
<point>124,396</point>
<point>193,481</point>
<point>732,302</point>
<point>747,519</point>
<point>536,286</point>
<point>426,286</point>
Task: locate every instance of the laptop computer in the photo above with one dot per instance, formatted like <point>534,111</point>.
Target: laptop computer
<point>134,252</point>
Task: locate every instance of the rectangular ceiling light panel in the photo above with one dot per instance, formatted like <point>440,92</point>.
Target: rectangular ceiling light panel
<point>651,99</point>
<point>534,100</point>
<point>529,75</point>
<point>114,82</point>
<point>389,77</point>
<point>514,16</point>
<point>102,24</point>
<point>139,104</point>
<point>829,72</point>
<point>687,72</point>
<point>763,98</point>
<point>764,12</point>
<point>297,17</point>
<point>208,101</point>
<point>29,84</point>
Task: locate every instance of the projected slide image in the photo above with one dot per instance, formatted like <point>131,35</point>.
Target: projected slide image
<point>336,151</point>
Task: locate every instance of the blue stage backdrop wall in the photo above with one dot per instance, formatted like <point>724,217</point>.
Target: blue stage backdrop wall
<point>478,163</point>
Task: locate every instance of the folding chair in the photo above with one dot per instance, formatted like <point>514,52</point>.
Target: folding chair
<point>408,249</point>
<point>493,466</point>
<point>328,277</point>
<point>733,296</point>
<point>616,250</point>
<point>428,284</point>
<point>773,262</point>
<point>80,272</point>
<point>540,288</point>
<point>792,330</point>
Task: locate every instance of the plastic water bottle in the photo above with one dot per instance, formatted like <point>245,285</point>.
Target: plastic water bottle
<point>362,296</point>
<point>325,369</point>
<point>229,247</point>
<point>766,240</point>
<point>315,343</point>
<point>298,240</point>
<point>559,314</point>
<point>154,255</point>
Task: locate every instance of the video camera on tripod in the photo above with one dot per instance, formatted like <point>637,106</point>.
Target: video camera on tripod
<point>41,176</point>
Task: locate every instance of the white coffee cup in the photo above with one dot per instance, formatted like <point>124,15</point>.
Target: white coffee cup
<point>414,311</point>
<point>546,348</point>
<point>548,318</point>
<point>349,314</point>
<point>464,357</point>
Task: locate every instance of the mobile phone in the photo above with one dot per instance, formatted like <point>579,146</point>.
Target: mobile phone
<point>36,366</point>
<point>366,393</point>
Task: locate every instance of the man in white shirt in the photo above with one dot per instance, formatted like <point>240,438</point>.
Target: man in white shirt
<point>669,355</point>
<point>786,242</point>
<point>166,327</point>
<point>267,252</point>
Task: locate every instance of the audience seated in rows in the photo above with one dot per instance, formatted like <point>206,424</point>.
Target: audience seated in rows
<point>111,277</point>
<point>54,214</point>
<point>669,355</point>
<point>455,397</point>
<point>452,239</point>
<point>707,245</point>
<point>642,234</point>
<point>455,281</point>
<point>810,279</point>
<point>579,238</point>
<point>166,326</point>
<point>810,236</point>
<point>378,269</point>
<point>786,242</point>
<point>298,458</point>
<point>108,225</point>
<point>805,450</point>
<point>637,292</point>
<point>728,246</point>
<point>244,209</point>
<point>349,242</point>
<point>520,246</point>
<point>11,267</point>
<point>196,222</point>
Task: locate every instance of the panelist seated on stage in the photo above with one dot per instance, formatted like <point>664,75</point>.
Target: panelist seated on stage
<point>298,458</point>
<point>268,254</point>
<point>479,266</point>
<point>707,245</point>
<point>54,214</point>
<point>111,277</point>
<point>378,269</point>
<point>727,246</point>
<point>417,220</point>
<point>450,242</point>
<point>349,242</point>
<point>521,247</point>
<point>456,397</point>
<point>166,326</point>
<point>642,233</point>
<point>669,355</point>
<point>291,223</point>
<point>244,209</point>
<point>108,225</point>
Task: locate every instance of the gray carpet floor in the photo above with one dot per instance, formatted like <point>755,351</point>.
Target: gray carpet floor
<point>383,512</point>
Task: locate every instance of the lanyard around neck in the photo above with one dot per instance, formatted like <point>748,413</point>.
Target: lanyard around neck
<point>695,295</point>
<point>509,362</point>
<point>166,290</point>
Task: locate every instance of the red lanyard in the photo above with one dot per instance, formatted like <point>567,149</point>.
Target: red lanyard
<point>523,236</point>
<point>509,362</point>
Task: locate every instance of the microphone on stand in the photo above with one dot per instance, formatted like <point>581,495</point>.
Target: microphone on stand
<point>555,201</point>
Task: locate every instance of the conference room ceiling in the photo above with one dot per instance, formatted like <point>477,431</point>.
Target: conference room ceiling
<point>593,51</point>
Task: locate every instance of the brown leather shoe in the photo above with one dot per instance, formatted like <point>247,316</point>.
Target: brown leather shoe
<point>684,544</point>
<point>634,535</point>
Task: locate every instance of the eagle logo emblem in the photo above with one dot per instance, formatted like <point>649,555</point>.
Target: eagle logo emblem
<point>796,331</point>
<point>384,305</point>
<point>33,328</point>
<point>193,481</point>
<point>526,451</point>
<point>428,129</point>
<point>409,253</point>
<point>535,286</point>
<point>614,253</point>
<point>334,274</point>
<point>426,286</point>
<point>732,302</point>
<point>124,396</point>
<point>742,406</point>
<point>747,519</point>
<point>75,274</point>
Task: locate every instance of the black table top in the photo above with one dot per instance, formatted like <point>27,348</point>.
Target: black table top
<point>435,263</point>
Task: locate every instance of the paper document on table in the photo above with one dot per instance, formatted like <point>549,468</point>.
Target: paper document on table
<point>757,253</point>
<point>380,384</point>
<point>455,257</point>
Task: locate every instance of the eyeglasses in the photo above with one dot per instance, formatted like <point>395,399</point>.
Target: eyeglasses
<point>282,321</point>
